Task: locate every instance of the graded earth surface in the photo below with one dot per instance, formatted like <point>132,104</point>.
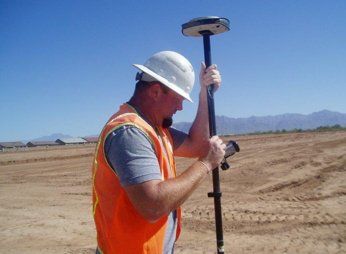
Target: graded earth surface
<point>284,193</point>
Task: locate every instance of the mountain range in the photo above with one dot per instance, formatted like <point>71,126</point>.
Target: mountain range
<point>228,125</point>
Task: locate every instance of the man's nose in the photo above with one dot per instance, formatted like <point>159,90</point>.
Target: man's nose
<point>180,106</point>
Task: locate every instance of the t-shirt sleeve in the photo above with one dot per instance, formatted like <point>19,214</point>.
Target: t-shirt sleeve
<point>177,136</point>
<point>132,156</point>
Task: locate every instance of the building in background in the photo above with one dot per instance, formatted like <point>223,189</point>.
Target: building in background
<point>11,145</point>
<point>91,139</point>
<point>70,141</point>
<point>42,143</point>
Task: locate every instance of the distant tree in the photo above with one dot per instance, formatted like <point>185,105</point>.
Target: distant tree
<point>336,127</point>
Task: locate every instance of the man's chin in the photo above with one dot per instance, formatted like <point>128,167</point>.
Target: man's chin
<point>167,122</point>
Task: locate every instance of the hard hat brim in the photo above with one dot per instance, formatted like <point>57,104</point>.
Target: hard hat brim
<point>164,81</point>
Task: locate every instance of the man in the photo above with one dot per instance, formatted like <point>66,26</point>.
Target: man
<point>136,192</point>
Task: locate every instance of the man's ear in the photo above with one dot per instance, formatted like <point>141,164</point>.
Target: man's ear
<point>155,91</point>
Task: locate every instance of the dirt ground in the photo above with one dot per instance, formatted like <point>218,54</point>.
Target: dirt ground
<point>284,194</point>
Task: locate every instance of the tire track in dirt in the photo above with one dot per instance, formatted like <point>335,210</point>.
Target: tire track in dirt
<point>299,211</point>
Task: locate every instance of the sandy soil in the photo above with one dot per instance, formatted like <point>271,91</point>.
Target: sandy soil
<point>284,194</point>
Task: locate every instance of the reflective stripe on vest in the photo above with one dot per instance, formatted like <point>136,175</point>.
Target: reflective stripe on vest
<point>120,228</point>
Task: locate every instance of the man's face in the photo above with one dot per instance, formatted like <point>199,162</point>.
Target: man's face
<point>171,103</point>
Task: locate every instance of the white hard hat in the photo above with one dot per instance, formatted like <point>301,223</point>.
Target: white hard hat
<point>171,69</point>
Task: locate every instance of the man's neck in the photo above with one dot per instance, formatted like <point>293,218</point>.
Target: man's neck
<point>144,110</point>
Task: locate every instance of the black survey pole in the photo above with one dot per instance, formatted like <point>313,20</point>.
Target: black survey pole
<point>210,89</point>
<point>216,194</point>
<point>207,26</point>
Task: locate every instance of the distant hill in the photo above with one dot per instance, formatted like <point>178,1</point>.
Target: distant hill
<point>52,137</point>
<point>228,125</point>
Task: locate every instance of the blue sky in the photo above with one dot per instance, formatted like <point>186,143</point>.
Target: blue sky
<point>65,66</point>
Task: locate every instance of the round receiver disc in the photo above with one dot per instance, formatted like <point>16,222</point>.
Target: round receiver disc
<point>205,25</point>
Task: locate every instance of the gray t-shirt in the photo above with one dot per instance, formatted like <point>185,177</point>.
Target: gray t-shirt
<point>133,158</point>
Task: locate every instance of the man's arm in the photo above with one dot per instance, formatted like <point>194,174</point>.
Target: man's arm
<point>133,159</point>
<point>156,198</point>
<point>198,135</point>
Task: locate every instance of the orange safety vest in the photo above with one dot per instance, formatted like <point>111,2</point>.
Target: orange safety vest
<point>120,228</point>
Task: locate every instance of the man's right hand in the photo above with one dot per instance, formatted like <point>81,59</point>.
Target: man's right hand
<point>210,75</point>
<point>215,153</point>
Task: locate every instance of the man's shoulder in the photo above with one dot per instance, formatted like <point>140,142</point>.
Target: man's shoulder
<point>131,155</point>
<point>127,134</point>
